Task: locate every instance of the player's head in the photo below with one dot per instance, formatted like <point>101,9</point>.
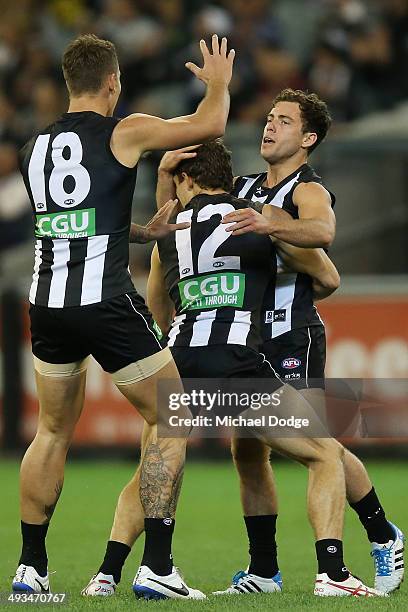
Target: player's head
<point>90,67</point>
<point>210,170</point>
<point>296,124</point>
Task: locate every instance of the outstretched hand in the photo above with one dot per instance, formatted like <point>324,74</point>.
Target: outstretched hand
<point>217,66</point>
<point>159,227</point>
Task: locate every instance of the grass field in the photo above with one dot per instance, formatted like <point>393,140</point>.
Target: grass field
<point>210,543</point>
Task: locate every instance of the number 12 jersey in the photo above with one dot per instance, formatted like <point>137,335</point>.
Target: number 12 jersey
<point>216,280</point>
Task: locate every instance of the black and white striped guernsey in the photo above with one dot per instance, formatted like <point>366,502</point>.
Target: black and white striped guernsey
<point>288,300</point>
<point>217,281</point>
<point>81,198</point>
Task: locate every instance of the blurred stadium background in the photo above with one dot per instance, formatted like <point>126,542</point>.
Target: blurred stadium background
<point>354,53</point>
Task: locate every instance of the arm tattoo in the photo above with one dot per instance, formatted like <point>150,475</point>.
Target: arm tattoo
<point>138,234</point>
<point>161,475</point>
<point>49,510</point>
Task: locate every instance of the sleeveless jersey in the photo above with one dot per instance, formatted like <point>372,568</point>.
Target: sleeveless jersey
<point>81,198</point>
<point>217,281</point>
<point>288,300</point>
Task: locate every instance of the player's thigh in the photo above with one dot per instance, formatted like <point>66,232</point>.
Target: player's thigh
<point>61,391</point>
<point>141,385</point>
<point>60,361</point>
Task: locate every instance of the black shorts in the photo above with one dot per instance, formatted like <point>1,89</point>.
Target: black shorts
<point>232,368</point>
<point>221,361</point>
<point>116,332</point>
<point>299,356</point>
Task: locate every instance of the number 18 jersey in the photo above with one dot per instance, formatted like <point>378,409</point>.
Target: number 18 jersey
<point>216,280</point>
<point>81,198</point>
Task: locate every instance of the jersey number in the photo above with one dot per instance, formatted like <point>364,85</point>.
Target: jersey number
<point>64,167</point>
<point>207,262</point>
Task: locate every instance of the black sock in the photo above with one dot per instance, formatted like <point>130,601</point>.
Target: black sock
<point>33,551</point>
<point>262,545</point>
<point>157,551</point>
<point>114,560</point>
<point>330,559</point>
<point>372,516</point>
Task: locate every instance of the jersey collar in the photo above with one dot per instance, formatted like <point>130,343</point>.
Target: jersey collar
<point>202,199</point>
<point>261,189</point>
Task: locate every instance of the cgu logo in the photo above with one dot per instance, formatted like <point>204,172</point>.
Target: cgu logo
<point>212,285</point>
<point>76,224</point>
<point>213,291</point>
<point>290,363</point>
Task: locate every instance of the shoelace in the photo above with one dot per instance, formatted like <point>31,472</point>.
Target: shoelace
<point>382,561</point>
<point>20,574</point>
<point>238,576</point>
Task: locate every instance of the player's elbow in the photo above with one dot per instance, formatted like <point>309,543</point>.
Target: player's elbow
<point>217,129</point>
<point>330,281</point>
<point>333,282</point>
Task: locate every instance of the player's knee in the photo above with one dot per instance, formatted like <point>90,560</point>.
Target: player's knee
<point>322,450</point>
<point>56,430</point>
<point>249,451</point>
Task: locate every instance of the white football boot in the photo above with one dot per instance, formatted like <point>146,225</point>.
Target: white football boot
<point>389,562</point>
<point>244,584</point>
<point>100,585</point>
<point>28,580</point>
<point>352,587</point>
<point>148,585</point>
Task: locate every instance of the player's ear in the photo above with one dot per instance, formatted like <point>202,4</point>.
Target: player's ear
<point>189,181</point>
<point>309,140</point>
<point>113,83</point>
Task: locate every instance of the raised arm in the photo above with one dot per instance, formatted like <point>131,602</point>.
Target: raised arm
<point>165,188</point>
<point>138,133</point>
<point>158,300</point>
<point>315,263</point>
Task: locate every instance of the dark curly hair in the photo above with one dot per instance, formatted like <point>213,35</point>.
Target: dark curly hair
<point>314,112</point>
<point>211,168</point>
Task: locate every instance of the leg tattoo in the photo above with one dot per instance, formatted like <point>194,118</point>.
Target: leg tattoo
<point>161,474</point>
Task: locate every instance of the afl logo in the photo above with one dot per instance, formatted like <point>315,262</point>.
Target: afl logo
<point>185,271</point>
<point>69,201</point>
<point>290,363</point>
<point>218,264</point>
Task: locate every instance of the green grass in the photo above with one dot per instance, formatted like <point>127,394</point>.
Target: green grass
<point>210,543</point>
